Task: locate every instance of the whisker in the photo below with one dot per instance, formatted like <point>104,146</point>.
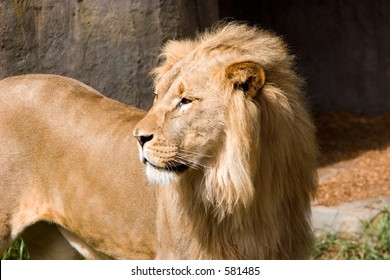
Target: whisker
<point>189,159</point>
<point>188,156</point>
<point>199,155</point>
<point>184,159</point>
<point>195,153</point>
<point>190,164</point>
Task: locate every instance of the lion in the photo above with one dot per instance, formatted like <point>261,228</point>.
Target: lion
<point>70,180</point>
<point>223,166</point>
<point>231,144</point>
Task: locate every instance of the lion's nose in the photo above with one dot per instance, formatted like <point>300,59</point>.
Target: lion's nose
<point>142,139</point>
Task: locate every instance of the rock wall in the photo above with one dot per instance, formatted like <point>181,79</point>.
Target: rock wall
<point>110,45</point>
<point>343,47</point>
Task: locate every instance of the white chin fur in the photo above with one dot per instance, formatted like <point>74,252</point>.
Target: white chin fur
<point>160,177</point>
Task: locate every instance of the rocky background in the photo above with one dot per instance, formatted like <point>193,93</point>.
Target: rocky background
<point>343,47</point>
<point>111,45</point>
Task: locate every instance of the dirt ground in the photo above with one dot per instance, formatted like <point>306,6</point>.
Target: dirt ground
<point>355,157</point>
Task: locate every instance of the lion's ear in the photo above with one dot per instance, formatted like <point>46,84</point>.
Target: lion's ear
<point>246,76</point>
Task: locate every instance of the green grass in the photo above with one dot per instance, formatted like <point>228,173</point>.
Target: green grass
<point>372,244</point>
<point>17,251</point>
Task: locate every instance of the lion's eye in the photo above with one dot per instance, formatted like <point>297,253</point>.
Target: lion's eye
<point>155,97</point>
<point>183,101</point>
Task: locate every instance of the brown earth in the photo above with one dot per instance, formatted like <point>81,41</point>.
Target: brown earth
<point>355,157</point>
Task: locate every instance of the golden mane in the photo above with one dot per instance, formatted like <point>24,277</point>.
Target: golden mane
<point>264,172</point>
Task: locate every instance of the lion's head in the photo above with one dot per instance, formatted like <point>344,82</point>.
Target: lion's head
<point>229,114</point>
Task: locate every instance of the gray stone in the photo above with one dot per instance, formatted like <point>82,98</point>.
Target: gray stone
<point>110,45</point>
<point>346,217</point>
<point>328,172</point>
<point>342,46</point>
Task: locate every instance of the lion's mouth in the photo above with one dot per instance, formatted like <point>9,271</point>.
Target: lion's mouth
<point>169,167</point>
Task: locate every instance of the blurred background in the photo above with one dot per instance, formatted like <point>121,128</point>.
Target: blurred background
<point>342,49</point>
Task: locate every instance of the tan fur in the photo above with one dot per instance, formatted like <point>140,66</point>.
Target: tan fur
<point>70,179</point>
<point>230,107</point>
